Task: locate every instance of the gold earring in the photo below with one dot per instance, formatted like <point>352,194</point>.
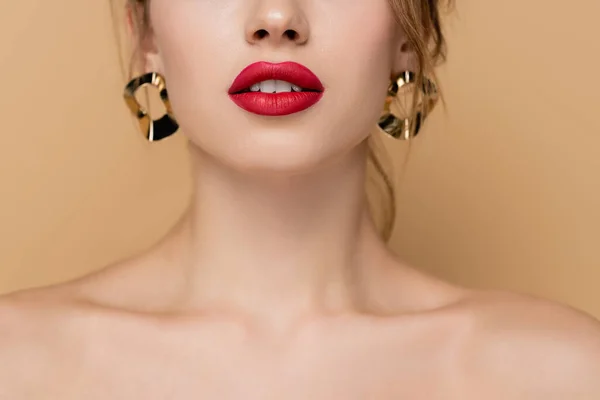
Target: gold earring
<point>407,128</point>
<point>157,129</point>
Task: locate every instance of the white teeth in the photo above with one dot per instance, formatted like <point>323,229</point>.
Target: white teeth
<point>283,87</point>
<point>275,86</point>
<point>268,86</point>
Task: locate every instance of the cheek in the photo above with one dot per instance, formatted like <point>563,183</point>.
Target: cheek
<point>190,35</point>
<point>367,28</point>
<point>362,44</point>
<point>201,44</point>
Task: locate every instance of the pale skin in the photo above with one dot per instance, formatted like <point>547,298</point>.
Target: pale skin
<point>276,284</point>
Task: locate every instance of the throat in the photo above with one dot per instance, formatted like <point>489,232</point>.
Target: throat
<point>263,243</point>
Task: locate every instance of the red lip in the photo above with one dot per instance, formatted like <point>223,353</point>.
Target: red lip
<point>276,104</point>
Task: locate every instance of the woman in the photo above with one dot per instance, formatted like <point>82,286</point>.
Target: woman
<point>277,284</point>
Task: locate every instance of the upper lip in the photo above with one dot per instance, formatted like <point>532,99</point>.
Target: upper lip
<point>294,73</point>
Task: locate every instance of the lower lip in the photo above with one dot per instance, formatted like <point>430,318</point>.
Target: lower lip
<point>276,104</point>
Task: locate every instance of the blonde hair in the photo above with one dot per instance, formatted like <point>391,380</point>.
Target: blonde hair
<point>421,22</point>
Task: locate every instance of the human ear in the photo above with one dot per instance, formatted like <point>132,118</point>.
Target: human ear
<point>141,38</point>
<point>405,56</point>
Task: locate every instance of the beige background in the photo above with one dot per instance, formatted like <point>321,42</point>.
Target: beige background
<point>501,190</point>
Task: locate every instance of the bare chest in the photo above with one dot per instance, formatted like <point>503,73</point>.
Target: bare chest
<point>346,364</point>
<point>237,374</point>
<point>233,379</point>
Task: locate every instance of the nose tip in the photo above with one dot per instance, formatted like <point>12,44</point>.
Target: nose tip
<point>278,25</point>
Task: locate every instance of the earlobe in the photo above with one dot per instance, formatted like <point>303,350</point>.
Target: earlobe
<point>405,58</point>
<point>149,57</point>
<point>153,63</point>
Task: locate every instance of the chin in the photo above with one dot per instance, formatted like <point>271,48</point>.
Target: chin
<point>279,159</point>
<point>291,145</point>
<point>269,153</point>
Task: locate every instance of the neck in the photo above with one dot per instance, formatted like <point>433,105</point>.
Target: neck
<point>289,243</point>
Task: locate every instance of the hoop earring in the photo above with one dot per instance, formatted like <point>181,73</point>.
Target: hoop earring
<point>153,130</point>
<point>407,128</point>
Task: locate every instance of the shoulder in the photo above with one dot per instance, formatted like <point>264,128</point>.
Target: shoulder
<point>37,334</point>
<point>525,348</point>
<point>26,314</point>
<point>23,309</point>
<point>49,316</point>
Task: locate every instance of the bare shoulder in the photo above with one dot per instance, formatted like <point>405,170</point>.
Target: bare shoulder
<point>42,316</point>
<point>23,313</point>
<point>20,310</point>
<point>525,348</point>
<point>34,340</point>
